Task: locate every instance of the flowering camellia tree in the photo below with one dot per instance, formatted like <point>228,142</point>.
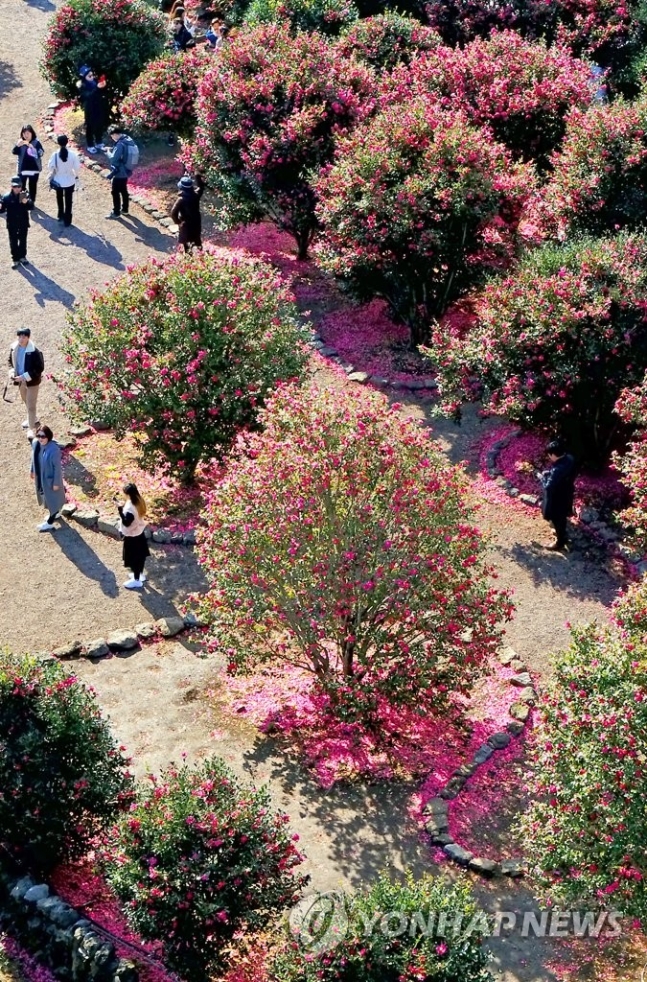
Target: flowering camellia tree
<point>599,183</point>
<point>269,115</point>
<point>182,350</point>
<point>555,343</point>
<point>198,857</point>
<point>340,542</point>
<point>386,40</point>
<point>520,89</point>
<point>632,409</point>
<point>163,97</point>
<point>62,776</point>
<point>117,39</point>
<point>584,830</point>
<point>435,953</point>
<point>417,206</point>
<point>325,16</point>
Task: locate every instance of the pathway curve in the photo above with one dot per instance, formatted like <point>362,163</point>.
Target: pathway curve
<point>54,588</point>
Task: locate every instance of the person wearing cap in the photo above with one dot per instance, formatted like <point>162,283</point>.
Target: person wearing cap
<point>186,212</point>
<point>16,206</point>
<point>558,483</point>
<point>26,367</point>
<point>92,96</point>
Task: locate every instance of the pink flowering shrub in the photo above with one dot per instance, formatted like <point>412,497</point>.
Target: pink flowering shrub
<point>326,16</point>
<point>62,776</point>
<point>599,181</point>
<point>198,858</point>
<point>386,40</point>
<point>418,205</point>
<point>520,89</point>
<point>584,830</point>
<point>182,350</point>
<point>163,97</point>
<point>339,542</point>
<point>270,113</point>
<point>421,951</point>
<point>117,39</point>
<point>632,462</point>
<point>555,342</point>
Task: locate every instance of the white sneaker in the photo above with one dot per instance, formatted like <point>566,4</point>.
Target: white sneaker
<point>46,527</point>
<point>132,584</point>
<point>25,424</point>
<point>30,434</point>
<point>143,578</point>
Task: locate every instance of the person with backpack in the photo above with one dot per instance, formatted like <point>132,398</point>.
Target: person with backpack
<point>186,212</point>
<point>29,151</point>
<point>26,367</point>
<point>123,160</point>
<point>63,168</point>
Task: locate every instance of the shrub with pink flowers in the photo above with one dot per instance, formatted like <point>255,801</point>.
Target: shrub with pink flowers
<point>423,929</point>
<point>387,40</point>
<point>418,205</point>
<point>599,183</point>
<point>521,89</point>
<point>584,830</point>
<point>632,462</point>
<point>62,776</point>
<point>555,342</point>
<point>182,351</point>
<point>270,113</point>
<point>326,16</point>
<point>198,858</point>
<point>163,97</point>
<point>117,38</point>
<point>340,542</point>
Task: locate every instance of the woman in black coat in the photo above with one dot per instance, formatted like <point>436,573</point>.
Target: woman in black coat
<point>29,151</point>
<point>186,212</point>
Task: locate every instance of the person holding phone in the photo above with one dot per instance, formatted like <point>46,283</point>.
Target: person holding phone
<point>132,525</point>
<point>16,206</point>
<point>29,151</point>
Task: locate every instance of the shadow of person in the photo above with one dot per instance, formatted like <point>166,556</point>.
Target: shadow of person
<point>46,5</point>
<point>79,553</point>
<point>95,246</point>
<point>77,475</point>
<point>8,78</point>
<point>148,235</point>
<point>46,289</point>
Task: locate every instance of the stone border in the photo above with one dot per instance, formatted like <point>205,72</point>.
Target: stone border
<point>437,824</point>
<point>363,378</point>
<point>124,639</point>
<point>164,220</point>
<point>89,518</point>
<point>59,936</point>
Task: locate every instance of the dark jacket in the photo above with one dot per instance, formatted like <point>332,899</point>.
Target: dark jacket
<point>119,157</point>
<point>16,211</point>
<point>182,40</point>
<point>559,489</point>
<point>186,214</point>
<point>94,106</point>
<point>34,363</point>
<point>27,161</point>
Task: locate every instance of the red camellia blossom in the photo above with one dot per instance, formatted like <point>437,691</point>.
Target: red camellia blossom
<point>163,97</point>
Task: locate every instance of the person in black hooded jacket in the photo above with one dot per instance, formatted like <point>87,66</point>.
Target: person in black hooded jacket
<point>186,212</point>
<point>559,491</point>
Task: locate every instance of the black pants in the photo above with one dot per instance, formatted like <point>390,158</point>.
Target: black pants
<point>92,134</point>
<point>32,180</point>
<point>52,518</point>
<point>18,243</point>
<point>64,202</point>
<point>120,197</point>
<point>559,524</point>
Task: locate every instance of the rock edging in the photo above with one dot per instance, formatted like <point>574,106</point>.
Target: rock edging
<point>124,639</point>
<point>90,518</point>
<point>436,809</point>
<point>59,936</point>
<point>364,378</point>
<point>164,221</point>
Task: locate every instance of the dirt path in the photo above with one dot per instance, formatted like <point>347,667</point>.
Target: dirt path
<point>54,588</point>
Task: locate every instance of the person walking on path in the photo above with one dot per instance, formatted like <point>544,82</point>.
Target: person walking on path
<point>559,490</point>
<point>47,473</point>
<point>132,525</point>
<point>16,206</point>
<point>186,212</point>
<point>92,95</point>
<point>63,168</point>
<point>26,367</point>
<point>121,167</point>
<point>29,151</point>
